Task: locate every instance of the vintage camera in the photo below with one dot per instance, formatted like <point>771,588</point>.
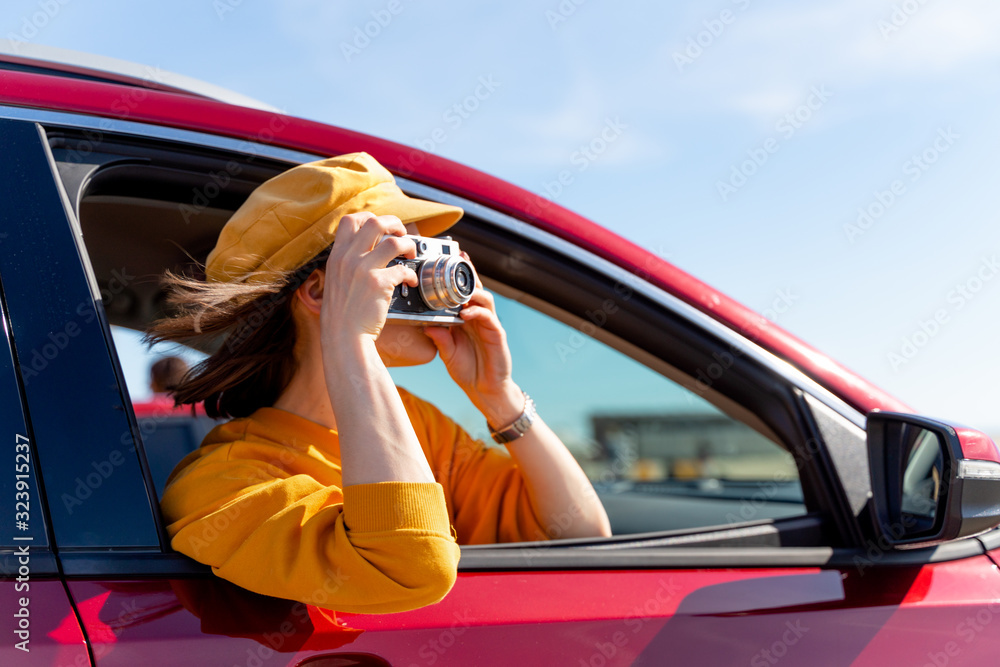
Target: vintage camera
<point>446,284</point>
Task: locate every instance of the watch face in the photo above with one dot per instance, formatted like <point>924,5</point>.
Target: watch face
<point>520,426</point>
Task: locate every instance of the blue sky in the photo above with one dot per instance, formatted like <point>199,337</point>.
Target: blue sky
<point>819,109</point>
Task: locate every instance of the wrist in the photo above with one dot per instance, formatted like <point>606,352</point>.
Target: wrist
<point>519,427</point>
<point>501,407</point>
<point>347,356</point>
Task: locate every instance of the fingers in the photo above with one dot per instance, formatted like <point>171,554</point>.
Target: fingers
<point>391,247</point>
<point>480,314</point>
<point>397,274</point>
<point>365,229</point>
<point>443,340</point>
<point>481,297</point>
<point>368,242</point>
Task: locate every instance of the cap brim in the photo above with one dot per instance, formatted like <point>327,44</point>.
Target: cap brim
<point>430,217</point>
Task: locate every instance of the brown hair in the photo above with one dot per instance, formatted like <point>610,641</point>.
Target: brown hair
<point>251,326</point>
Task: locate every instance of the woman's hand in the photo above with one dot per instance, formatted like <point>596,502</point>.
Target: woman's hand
<point>358,286</point>
<point>377,441</point>
<point>478,359</point>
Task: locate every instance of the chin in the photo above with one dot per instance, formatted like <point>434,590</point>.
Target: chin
<point>405,345</point>
<point>414,360</point>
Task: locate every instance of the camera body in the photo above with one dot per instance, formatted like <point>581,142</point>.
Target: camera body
<point>446,283</point>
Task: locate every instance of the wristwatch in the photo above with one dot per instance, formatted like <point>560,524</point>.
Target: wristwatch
<point>519,426</point>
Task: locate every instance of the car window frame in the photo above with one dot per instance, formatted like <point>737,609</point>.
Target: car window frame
<point>794,380</point>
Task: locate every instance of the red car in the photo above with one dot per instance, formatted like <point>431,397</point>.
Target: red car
<point>768,505</point>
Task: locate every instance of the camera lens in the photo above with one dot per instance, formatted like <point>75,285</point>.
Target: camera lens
<point>446,281</point>
<point>464,281</point>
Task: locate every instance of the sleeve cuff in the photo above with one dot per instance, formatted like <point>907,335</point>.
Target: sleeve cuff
<point>389,506</point>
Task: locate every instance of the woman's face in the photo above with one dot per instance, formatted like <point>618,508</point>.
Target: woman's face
<point>404,345</point>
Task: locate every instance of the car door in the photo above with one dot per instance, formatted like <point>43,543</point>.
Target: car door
<point>786,577</point>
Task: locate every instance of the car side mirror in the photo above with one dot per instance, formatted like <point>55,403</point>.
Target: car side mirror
<point>931,481</point>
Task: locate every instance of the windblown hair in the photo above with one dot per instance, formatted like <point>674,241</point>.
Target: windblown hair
<point>252,326</point>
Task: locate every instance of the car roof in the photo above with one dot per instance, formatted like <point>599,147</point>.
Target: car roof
<point>19,55</point>
<point>60,90</point>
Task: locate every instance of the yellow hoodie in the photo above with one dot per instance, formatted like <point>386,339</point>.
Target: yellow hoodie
<point>261,501</point>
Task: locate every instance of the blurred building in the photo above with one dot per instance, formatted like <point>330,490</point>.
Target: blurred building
<point>650,447</point>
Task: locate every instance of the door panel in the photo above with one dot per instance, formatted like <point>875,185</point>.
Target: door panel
<point>802,616</point>
<point>950,616</point>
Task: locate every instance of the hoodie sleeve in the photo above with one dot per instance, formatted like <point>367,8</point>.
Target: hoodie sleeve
<point>369,548</point>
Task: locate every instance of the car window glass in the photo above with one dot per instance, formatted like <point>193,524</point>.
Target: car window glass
<point>168,433</point>
<point>661,456</point>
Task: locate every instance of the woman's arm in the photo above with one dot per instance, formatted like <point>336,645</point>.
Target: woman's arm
<point>377,442</point>
<point>478,359</point>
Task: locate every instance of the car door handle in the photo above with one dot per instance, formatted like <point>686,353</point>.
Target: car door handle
<point>345,660</point>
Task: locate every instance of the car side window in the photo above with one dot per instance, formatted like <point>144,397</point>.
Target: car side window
<point>660,456</point>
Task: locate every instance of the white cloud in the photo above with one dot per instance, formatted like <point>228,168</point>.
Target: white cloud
<point>580,117</point>
<point>764,61</point>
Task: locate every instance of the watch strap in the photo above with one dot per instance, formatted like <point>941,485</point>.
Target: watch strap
<point>519,426</point>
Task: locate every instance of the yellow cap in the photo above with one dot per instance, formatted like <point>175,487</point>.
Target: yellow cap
<point>292,217</point>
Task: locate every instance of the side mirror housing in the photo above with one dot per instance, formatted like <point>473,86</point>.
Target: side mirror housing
<point>931,481</point>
